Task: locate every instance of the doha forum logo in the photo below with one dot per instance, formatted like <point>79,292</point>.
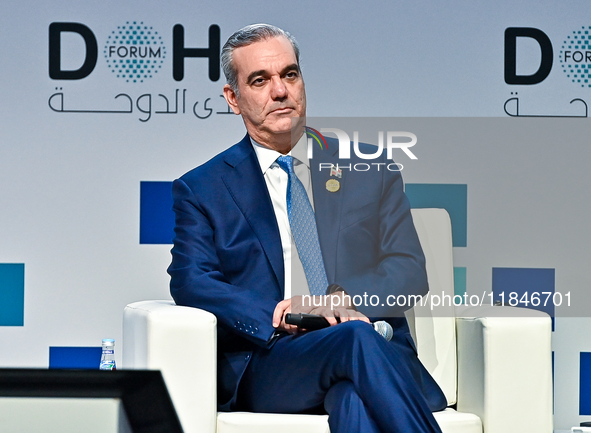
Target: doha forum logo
<point>134,52</point>
<point>574,57</point>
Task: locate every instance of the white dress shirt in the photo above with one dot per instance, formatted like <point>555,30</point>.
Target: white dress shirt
<point>276,179</point>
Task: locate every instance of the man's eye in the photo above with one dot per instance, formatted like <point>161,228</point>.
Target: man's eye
<point>258,81</point>
<point>291,75</point>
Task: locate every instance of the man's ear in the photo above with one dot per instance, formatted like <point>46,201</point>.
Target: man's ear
<point>231,99</point>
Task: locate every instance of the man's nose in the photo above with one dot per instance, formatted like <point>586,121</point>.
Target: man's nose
<point>278,89</point>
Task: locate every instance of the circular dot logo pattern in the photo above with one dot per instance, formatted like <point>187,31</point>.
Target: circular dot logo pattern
<point>135,52</point>
<point>575,57</point>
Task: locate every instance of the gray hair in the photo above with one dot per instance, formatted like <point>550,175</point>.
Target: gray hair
<point>246,36</point>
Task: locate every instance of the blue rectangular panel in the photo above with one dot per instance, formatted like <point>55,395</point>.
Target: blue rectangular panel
<point>12,294</point>
<point>510,285</point>
<point>451,197</point>
<point>585,384</point>
<point>156,215</point>
<point>87,358</point>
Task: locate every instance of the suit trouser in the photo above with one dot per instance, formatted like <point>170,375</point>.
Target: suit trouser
<point>365,383</point>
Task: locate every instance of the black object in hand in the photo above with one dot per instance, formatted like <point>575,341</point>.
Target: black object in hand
<point>307,321</point>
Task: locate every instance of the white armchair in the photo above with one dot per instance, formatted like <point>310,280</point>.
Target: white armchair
<point>493,363</point>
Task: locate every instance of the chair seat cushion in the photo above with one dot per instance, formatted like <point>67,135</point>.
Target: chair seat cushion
<point>452,421</point>
<point>449,420</point>
<point>247,422</point>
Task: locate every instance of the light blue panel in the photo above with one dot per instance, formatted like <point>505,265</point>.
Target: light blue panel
<point>12,294</point>
<point>451,197</point>
<point>585,384</point>
<point>87,358</point>
<point>459,281</point>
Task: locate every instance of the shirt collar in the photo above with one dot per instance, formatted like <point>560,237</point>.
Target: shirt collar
<point>268,156</point>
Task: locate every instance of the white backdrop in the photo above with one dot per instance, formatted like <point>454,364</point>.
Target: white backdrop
<point>70,181</point>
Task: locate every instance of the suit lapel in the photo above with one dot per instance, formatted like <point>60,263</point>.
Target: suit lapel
<point>327,205</point>
<point>246,184</point>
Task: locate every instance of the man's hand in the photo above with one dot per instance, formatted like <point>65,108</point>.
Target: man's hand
<point>281,310</point>
<point>336,307</point>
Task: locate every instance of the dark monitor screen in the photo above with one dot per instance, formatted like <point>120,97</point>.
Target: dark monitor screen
<point>143,393</point>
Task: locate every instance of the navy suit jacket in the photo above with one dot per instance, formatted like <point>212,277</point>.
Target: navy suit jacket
<point>227,256</point>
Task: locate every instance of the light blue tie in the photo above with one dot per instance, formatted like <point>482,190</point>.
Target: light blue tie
<point>303,228</point>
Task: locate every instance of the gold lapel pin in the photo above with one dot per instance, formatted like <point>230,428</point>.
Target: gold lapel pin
<point>333,185</point>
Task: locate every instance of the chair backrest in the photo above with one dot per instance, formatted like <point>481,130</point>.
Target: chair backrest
<point>432,323</point>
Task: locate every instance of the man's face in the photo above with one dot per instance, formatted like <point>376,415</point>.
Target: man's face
<point>271,91</point>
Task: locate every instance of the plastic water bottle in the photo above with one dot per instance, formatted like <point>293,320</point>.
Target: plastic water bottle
<point>108,356</point>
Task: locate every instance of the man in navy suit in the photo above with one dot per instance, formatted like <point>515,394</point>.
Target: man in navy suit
<point>233,256</point>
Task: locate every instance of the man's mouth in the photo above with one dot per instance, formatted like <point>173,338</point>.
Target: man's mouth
<point>282,110</point>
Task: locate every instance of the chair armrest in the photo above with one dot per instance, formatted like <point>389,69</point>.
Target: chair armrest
<point>505,368</point>
<point>182,343</point>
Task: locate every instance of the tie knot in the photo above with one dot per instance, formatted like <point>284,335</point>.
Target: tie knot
<point>286,163</point>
